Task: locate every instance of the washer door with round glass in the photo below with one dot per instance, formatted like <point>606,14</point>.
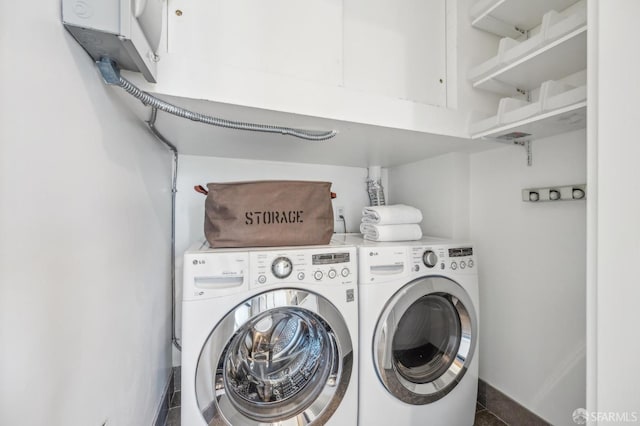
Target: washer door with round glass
<point>425,340</point>
<point>282,357</point>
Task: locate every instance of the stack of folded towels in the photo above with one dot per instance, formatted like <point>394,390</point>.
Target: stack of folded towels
<point>391,223</point>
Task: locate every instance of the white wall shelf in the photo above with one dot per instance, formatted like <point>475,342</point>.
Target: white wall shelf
<point>552,96</point>
<point>566,119</point>
<point>510,18</point>
<point>562,57</point>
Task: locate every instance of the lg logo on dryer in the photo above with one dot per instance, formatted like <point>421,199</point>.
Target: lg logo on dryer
<point>373,253</point>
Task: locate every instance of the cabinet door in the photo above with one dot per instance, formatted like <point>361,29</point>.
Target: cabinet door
<point>296,39</point>
<point>396,48</point>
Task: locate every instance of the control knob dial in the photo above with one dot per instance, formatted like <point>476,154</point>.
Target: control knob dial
<point>282,267</point>
<point>429,258</point>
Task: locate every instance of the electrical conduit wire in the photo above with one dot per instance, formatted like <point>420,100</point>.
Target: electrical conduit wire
<point>174,190</point>
<point>111,75</point>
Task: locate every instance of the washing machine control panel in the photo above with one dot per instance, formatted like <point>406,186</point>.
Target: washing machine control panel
<point>308,266</point>
<point>459,259</point>
<point>281,267</point>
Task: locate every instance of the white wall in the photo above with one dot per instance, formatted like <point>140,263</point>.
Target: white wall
<point>614,228</point>
<point>531,260</point>
<point>349,183</point>
<point>439,187</point>
<point>84,237</point>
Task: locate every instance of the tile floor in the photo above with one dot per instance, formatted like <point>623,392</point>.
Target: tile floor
<point>484,417</point>
<point>173,418</point>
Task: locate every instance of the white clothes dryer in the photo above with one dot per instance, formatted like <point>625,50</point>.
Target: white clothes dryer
<point>418,333</point>
<point>269,336</point>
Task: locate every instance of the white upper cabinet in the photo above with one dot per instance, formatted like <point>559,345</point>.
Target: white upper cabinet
<point>291,39</point>
<point>380,72</point>
<point>327,51</point>
<point>396,49</point>
<point>540,66</point>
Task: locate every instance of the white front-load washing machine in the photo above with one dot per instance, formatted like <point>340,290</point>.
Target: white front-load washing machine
<point>418,333</point>
<point>269,336</point>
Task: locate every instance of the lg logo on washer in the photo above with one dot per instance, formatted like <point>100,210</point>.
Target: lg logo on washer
<point>373,253</point>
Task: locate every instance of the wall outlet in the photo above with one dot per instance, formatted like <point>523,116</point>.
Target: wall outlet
<point>339,212</point>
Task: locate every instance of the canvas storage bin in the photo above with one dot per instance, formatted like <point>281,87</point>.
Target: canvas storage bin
<point>268,213</point>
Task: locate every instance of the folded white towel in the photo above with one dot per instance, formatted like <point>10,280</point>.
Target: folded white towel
<point>402,232</point>
<point>391,215</point>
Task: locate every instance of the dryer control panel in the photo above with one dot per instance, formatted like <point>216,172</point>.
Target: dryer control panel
<point>434,259</point>
<point>381,263</point>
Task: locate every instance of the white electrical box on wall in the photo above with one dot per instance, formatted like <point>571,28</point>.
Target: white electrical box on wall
<point>127,31</point>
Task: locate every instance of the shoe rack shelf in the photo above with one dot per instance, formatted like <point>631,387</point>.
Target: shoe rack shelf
<point>512,18</point>
<point>543,49</point>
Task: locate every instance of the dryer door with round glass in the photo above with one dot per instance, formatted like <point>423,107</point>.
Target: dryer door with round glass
<point>425,339</point>
<point>284,357</point>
